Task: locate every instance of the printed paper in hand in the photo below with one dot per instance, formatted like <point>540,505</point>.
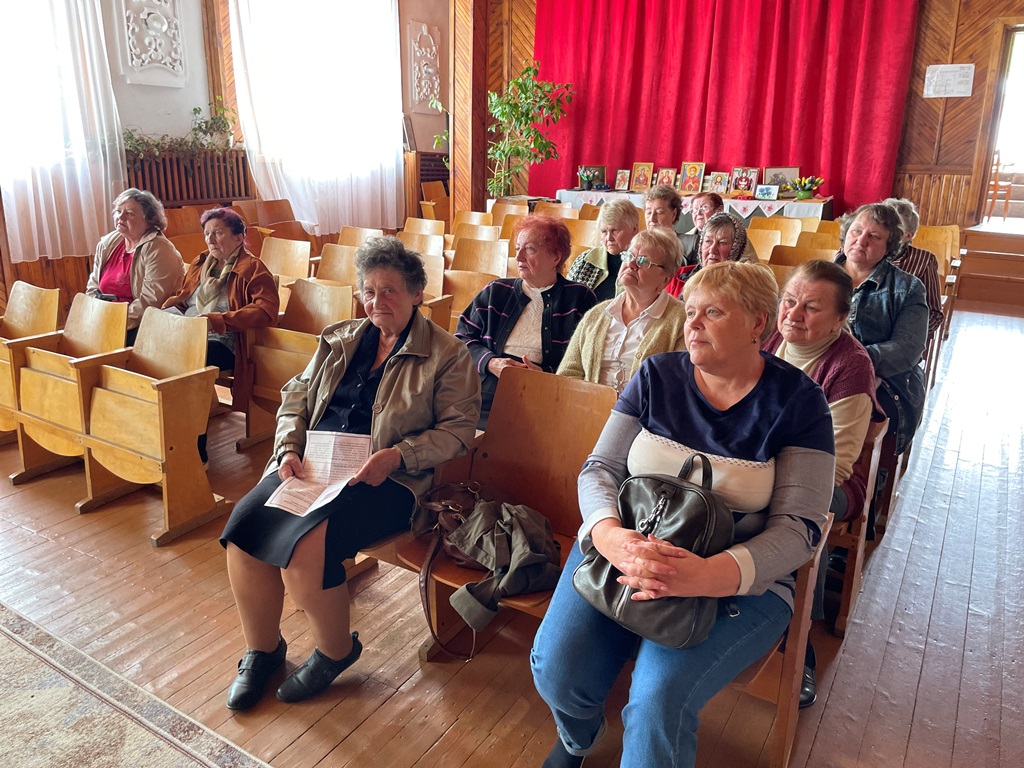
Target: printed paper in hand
<point>331,461</point>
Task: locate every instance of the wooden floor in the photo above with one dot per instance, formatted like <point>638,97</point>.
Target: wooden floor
<point>930,673</point>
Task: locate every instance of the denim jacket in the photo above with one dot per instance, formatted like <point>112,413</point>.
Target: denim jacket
<point>889,316</point>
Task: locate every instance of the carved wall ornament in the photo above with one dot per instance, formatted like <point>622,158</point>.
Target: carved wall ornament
<point>151,44</point>
<point>424,66</point>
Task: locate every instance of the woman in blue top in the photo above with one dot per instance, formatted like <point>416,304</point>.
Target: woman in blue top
<point>766,428</point>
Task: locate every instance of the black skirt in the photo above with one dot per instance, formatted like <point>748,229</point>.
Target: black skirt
<point>360,515</point>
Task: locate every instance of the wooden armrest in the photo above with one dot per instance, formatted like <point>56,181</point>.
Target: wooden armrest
<point>315,259</point>
<point>117,358</point>
<point>182,379</point>
<point>47,341</point>
<point>263,230</point>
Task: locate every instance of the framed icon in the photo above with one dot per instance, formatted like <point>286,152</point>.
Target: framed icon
<point>667,177</point>
<point>642,175</point>
<point>622,180</point>
<point>743,180</point>
<point>719,182</point>
<point>692,178</point>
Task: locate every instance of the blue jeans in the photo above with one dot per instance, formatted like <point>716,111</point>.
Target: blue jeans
<point>578,653</point>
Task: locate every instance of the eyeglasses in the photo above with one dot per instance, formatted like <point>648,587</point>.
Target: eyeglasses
<point>702,209</point>
<point>641,261</point>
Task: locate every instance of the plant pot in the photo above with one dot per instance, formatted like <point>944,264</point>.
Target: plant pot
<point>588,185</point>
<point>804,194</point>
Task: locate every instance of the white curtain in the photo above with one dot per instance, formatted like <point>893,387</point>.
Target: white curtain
<point>319,90</point>
<point>61,163</point>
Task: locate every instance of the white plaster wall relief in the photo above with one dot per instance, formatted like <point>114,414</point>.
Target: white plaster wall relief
<point>424,66</point>
<point>152,49</point>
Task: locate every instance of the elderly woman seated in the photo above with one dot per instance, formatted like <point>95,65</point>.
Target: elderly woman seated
<point>812,335</point>
<point>410,387</point>
<point>617,335</point>
<point>922,264</point>
<point>135,263</point>
<point>235,292</point>
<point>662,207</point>
<point>766,429</point>
<point>597,268</point>
<point>724,238</point>
<point>526,321</point>
<point>702,207</point>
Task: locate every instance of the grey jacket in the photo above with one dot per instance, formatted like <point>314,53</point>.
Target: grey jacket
<point>427,404</point>
<point>156,272</point>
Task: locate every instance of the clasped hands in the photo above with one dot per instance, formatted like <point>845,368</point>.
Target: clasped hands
<point>497,364</point>
<point>375,470</point>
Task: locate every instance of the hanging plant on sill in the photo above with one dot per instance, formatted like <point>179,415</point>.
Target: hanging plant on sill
<point>214,133</point>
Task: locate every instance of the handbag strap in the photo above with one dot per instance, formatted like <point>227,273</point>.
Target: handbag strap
<point>705,470</point>
<point>424,580</point>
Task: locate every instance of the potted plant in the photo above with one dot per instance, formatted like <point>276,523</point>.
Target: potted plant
<point>587,176</point>
<point>216,131</point>
<point>804,187</point>
<point>521,116</point>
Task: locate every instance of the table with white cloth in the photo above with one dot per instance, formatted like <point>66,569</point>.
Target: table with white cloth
<point>820,207</point>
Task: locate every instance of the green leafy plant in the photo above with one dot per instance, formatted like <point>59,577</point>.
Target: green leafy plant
<point>217,130</point>
<point>521,117</point>
<point>213,132</point>
<point>441,139</point>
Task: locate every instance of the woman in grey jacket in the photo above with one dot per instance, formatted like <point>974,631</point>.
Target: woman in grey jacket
<point>410,387</point>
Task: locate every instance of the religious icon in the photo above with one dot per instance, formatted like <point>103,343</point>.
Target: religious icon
<point>667,176</point>
<point>719,182</point>
<point>692,175</point>
<point>622,180</point>
<point>642,173</point>
<point>744,180</point>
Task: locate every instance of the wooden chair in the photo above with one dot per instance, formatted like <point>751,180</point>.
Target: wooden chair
<point>781,273</point>
<point>808,239</point>
<point>476,232</point>
<point>432,189</point>
<point>776,678</point>
<point>189,246</point>
<point>31,311</point>
<point>463,286</point>
<point>471,217</point>
<point>51,413</point>
<point>480,256</point>
<point>556,209</point>
<point>808,223</point>
<point>763,240</point>
<point>357,235</point>
<point>423,243</point>
<point>438,208</point>
<point>827,226</point>
<point>292,230</point>
<point>182,221</point>
<point>287,260</point>
<point>583,232</point>
<point>338,264</point>
<point>247,210</point>
<point>414,226</point>
<point>517,445</point>
<point>315,304</point>
<point>790,228</point>
<point>794,255</point>
<point>997,186</point>
<point>500,210</point>
<point>508,226</point>
<point>589,212</point>
<point>269,211</point>
<point>852,535</point>
<point>144,414</point>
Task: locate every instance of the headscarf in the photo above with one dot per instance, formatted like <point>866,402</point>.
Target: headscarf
<point>739,237</point>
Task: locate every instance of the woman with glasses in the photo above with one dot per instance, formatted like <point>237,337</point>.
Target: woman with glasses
<point>617,335</point>
<point>618,223</point>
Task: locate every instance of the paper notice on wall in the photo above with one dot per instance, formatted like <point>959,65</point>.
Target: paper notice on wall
<point>943,81</point>
<point>330,462</point>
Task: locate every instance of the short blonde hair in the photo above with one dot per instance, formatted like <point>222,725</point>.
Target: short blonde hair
<point>663,242</point>
<point>619,212</point>
<point>752,286</point>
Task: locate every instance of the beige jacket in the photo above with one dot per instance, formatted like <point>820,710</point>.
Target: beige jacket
<point>157,271</point>
<point>582,359</point>
<point>427,405</point>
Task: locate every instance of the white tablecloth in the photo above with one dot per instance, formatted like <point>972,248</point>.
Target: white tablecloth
<point>742,208</point>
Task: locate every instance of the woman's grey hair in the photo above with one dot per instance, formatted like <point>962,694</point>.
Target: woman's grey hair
<point>817,270</point>
<point>907,212</point>
<point>669,195</point>
<point>752,286</point>
<point>883,215</point>
<point>152,209</point>
<point>391,253</point>
<point>722,221</point>
<point>620,213</point>
<point>662,242</point>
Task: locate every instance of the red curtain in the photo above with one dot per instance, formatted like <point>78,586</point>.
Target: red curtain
<point>818,84</point>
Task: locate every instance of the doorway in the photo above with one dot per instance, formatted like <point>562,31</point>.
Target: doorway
<point>1005,197</point>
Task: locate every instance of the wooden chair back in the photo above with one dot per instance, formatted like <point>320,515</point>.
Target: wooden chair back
<point>437,309</point>
<point>438,208</point>
<point>433,265</point>
<point>292,230</point>
<point>808,223</point>
<point>781,273</point>
<point>763,240</point>
<point>432,189</point>
<point>590,212</point>
<point>480,256</point>
<point>794,255</point>
<point>463,286</point>
<point>168,345</point>
<point>189,246</point>
<point>30,311</point>
<point>818,240</point>
<point>423,244</point>
<point>269,211</point>
<point>508,226</point>
<point>777,676</point>
<point>790,228</point>
<point>247,210</point>
<point>475,232</point>
<point>852,535</point>
<point>829,227</point>
<point>182,221</point>
<point>93,326</point>
<point>500,210</point>
<point>471,217</point>
<point>286,258</point>
<point>998,186</point>
<point>414,226</point>
<point>556,209</point>
<point>357,235</point>
<point>338,264</point>
<point>583,232</point>
<point>315,304</point>
<point>938,247</point>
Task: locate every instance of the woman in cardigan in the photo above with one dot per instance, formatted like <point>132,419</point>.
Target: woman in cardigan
<point>598,267</point>
<point>616,336</point>
<point>525,322</point>
<point>135,263</point>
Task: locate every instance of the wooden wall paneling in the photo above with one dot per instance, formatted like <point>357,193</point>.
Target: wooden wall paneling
<point>69,273</point>
<point>6,274</point>
<point>468,46</point>
<point>941,197</point>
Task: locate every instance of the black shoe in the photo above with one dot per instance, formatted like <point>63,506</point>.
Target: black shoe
<point>254,670</point>
<point>316,674</point>
<point>808,688</point>
<point>837,561</point>
<point>559,758</point>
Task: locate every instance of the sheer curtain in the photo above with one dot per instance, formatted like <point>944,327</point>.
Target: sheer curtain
<point>61,165</point>
<point>320,103</point>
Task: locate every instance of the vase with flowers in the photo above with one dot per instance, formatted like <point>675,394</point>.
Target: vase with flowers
<point>586,176</point>
<point>803,186</point>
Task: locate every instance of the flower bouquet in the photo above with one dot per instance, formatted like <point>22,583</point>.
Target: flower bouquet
<point>803,186</point>
<point>587,176</point>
